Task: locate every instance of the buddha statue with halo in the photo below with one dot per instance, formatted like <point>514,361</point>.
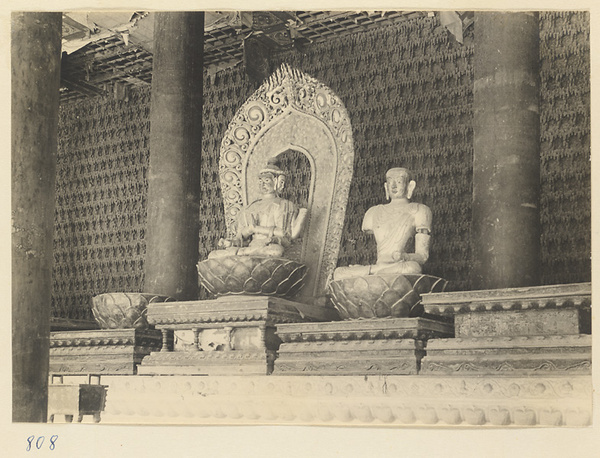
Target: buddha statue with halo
<point>394,224</point>
<point>268,225</point>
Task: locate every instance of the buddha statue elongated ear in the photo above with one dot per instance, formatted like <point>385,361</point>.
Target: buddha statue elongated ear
<point>387,192</point>
<point>280,183</point>
<point>410,188</point>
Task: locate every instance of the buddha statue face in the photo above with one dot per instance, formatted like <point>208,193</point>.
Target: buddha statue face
<point>398,184</point>
<point>269,183</point>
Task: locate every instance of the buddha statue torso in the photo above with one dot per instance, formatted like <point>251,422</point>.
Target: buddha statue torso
<point>393,226</point>
<point>273,212</point>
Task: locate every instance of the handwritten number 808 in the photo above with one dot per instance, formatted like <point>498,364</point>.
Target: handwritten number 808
<point>40,442</point>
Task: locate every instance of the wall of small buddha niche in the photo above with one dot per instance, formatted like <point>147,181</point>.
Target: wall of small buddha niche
<point>408,90</point>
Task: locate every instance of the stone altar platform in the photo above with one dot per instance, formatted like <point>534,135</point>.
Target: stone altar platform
<point>381,346</point>
<point>514,331</point>
<point>228,335</point>
<point>549,400</point>
<point>505,378</point>
<point>106,351</point>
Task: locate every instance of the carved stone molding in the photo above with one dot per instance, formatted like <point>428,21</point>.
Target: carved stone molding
<point>503,365</point>
<point>235,309</point>
<point>236,362</point>
<point>109,351</point>
<point>536,297</point>
<point>569,341</point>
<point>100,338</point>
<point>356,357</point>
<point>384,328</point>
<point>292,110</point>
<point>351,400</point>
<point>509,355</point>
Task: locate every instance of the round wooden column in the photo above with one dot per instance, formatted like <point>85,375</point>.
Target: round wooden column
<point>506,162</point>
<point>175,148</point>
<point>35,83</point>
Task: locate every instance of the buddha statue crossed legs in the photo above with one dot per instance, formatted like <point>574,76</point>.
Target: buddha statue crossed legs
<point>267,226</point>
<point>394,224</point>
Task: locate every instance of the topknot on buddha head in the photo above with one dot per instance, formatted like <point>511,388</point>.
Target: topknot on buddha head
<point>272,176</point>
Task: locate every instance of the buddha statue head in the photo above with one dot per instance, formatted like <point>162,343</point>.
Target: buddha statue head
<point>398,184</point>
<point>271,179</point>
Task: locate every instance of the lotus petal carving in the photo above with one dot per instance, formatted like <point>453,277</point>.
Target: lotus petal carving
<point>124,310</point>
<point>379,296</point>
<point>251,275</point>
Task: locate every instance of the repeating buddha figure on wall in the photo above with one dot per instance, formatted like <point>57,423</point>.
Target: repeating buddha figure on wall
<point>268,225</point>
<point>394,224</point>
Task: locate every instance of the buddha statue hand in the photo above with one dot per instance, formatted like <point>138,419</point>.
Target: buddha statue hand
<point>224,243</point>
<point>248,230</point>
<point>400,256</point>
<point>228,243</point>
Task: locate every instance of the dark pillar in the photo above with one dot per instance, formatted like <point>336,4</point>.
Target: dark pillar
<point>175,147</point>
<point>35,82</point>
<point>506,162</point>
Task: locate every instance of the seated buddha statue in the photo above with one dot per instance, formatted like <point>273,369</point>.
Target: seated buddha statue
<point>268,225</point>
<point>394,225</point>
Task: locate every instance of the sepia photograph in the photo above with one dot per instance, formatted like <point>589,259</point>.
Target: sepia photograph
<point>372,218</point>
